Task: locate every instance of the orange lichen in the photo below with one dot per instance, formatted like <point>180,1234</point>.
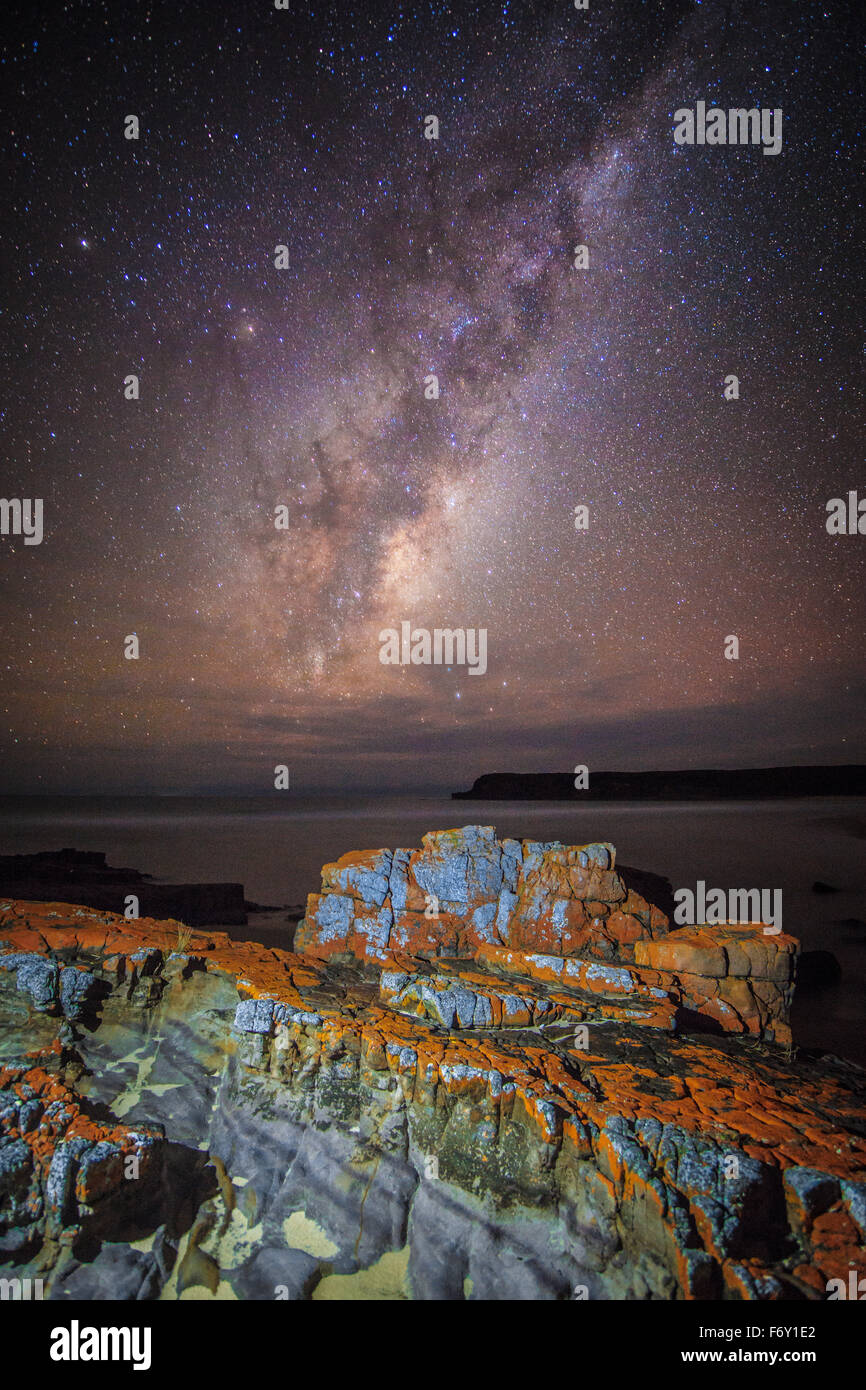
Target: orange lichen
<point>567,1096</point>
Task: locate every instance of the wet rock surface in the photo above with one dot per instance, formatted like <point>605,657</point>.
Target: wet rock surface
<point>425,1112</point>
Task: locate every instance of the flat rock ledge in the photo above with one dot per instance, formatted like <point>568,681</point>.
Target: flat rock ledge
<point>464,1112</point>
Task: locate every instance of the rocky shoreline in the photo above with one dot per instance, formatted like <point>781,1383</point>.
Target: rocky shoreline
<point>537,1090</point>
<point>84,875</point>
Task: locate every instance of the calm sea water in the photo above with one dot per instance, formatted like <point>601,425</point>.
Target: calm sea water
<point>277,850</point>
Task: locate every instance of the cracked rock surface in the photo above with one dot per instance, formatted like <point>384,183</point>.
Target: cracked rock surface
<point>470,1113</point>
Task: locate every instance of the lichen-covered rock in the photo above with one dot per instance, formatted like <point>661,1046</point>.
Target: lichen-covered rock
<point>465,894</point>
<point>361,1117</point>
<point>465,889</point>
<point>62,1170</point>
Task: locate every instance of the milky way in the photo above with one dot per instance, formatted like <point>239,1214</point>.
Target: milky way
<point>305,387</point>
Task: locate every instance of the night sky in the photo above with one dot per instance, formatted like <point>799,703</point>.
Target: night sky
<point>305,387</point>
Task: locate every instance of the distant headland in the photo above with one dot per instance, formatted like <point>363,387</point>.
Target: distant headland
<point>703,784</point>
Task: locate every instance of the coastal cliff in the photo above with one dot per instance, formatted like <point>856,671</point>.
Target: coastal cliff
<point>688,784</point>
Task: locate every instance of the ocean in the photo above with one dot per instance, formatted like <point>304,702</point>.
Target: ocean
<point>276,848</point>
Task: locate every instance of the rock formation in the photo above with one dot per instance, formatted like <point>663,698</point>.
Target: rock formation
<point>84,877</point>
<point>536,1090</point>
<point>547,913</point>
